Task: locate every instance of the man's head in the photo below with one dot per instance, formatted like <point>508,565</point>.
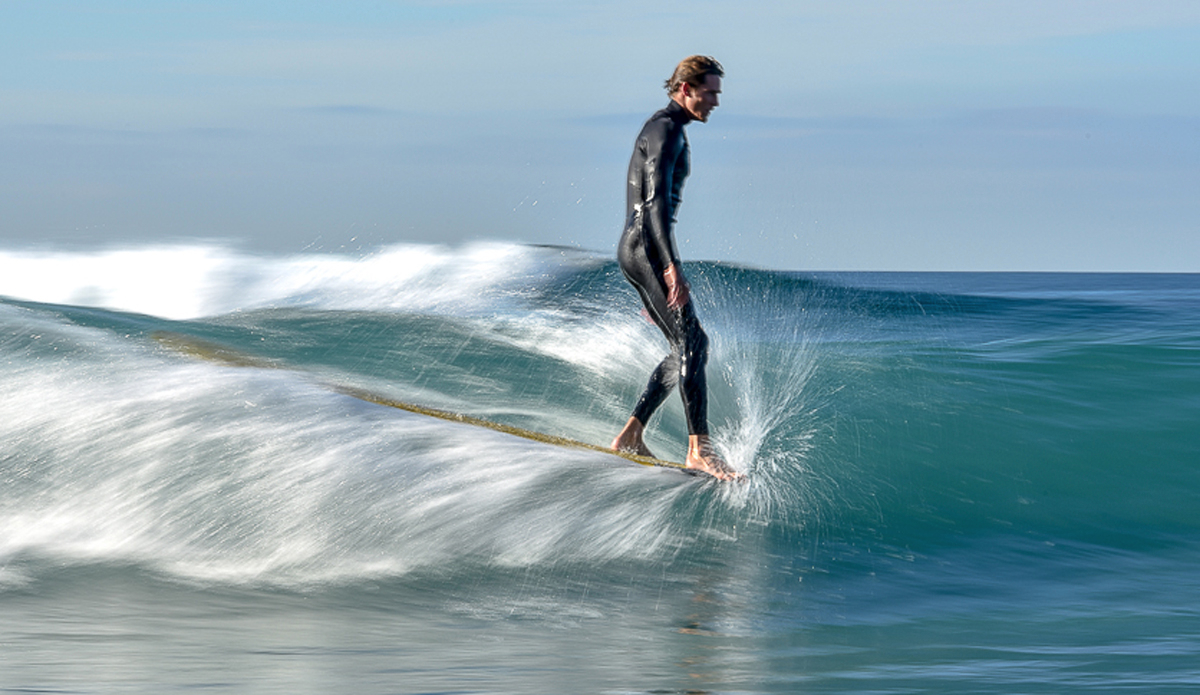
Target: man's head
<point>696,85</point>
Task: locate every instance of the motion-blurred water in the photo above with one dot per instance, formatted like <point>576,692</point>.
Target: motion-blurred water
<point>957,482</point>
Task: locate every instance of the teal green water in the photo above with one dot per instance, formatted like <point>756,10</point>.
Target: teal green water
<point>958,482</point>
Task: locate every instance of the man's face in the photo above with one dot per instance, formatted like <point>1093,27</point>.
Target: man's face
<point>700,101</point>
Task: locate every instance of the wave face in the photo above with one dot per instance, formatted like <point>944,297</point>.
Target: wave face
<point>926,453</point>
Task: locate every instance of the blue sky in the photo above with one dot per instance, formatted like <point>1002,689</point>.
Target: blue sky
<point>885,135</point>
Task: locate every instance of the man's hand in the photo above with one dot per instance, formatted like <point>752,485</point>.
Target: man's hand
<point>677,287</point>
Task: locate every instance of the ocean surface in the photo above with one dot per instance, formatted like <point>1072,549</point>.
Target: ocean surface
<point>957,483</point>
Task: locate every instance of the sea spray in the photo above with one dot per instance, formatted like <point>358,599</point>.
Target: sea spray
<point>230,474</point>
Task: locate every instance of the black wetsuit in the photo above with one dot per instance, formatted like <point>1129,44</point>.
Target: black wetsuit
<point>660,164</point>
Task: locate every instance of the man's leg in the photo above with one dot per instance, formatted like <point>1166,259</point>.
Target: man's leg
<point>689,341</point>
<point>689,348</point>
<point>693,387</point>
<point>657,389</point>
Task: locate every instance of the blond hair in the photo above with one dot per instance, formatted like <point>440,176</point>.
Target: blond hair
<point>693,70</point>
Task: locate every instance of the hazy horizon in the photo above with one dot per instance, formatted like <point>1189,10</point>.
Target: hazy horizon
<point>1052,136</point>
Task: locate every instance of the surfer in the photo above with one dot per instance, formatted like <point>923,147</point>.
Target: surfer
<point>647,255</point>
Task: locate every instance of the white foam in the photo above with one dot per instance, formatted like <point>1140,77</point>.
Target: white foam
<point>196,280</point>
<point>225,474</point>
<point>172,282</point>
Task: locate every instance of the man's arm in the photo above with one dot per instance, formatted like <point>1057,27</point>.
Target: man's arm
<point>663,149</point>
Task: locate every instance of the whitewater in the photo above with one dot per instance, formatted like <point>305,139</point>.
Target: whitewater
<point>957,482</point>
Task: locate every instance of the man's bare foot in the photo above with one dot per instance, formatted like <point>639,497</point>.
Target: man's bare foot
<point>702,456</point>
<point>630,439</point>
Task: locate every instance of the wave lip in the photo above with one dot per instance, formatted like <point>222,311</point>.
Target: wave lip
<point>191,281</point>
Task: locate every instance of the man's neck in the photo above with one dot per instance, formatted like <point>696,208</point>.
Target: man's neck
<point>683,114</point>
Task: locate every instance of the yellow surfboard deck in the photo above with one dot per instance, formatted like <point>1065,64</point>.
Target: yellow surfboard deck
<point>214,352</point>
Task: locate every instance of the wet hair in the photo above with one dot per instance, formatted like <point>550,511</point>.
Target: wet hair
<point>693,70</point>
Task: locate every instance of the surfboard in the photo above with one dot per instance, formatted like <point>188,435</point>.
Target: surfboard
<point>210,351</point>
